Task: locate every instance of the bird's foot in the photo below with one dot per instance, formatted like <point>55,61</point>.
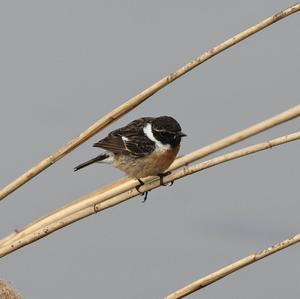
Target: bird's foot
<point>145,194</point>
<point>161,179</point>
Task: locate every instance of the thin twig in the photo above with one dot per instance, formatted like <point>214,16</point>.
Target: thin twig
<point>12,245</point>
<point>136,100</point>
<point>213,277</point>
<point>127,184</point>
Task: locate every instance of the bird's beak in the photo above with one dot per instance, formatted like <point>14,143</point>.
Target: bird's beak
<point>182,134</point>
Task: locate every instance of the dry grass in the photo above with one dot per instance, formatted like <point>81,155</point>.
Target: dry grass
<point>99,200</point>
<point>8,293</point>
<point>84,206</point>
<point>223,272</point>
<point>140,98</point>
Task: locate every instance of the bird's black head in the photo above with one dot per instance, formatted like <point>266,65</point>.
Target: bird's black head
<point>167,130</point>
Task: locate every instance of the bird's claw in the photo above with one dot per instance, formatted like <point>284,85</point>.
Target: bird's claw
<point>145,194</point>
<point>161,179</point>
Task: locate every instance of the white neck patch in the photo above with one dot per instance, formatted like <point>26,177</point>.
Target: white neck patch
<point>159,146</point>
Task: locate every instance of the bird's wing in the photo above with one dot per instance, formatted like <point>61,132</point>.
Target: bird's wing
<point>129,140</point>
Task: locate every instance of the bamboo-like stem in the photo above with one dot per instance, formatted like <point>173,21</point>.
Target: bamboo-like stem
<point>127,184</point>
<point>221,273</point>
<point>138,99</point>
<point>238,136</point>
<point>12,245</point>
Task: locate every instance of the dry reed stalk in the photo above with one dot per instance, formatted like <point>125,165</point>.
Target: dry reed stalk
<point>126,184</point>
<point>12,245</point>
<point>221,273</point>
<point>138,99</point>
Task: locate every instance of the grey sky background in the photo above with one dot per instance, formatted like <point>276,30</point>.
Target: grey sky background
<point>64,64</point>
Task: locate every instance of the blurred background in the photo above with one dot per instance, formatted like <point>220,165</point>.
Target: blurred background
<point>65,64</point>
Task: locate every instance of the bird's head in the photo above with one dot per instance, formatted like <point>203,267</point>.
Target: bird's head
<point>167,130</point>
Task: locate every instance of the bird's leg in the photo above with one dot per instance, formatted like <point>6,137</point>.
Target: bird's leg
<point>161,178</point>
<point>145,194</point>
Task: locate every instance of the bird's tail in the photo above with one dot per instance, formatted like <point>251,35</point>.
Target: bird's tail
<point>89,162</point>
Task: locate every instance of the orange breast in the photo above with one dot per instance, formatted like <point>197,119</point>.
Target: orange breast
<point>165,159</point>
<point>154,164</point>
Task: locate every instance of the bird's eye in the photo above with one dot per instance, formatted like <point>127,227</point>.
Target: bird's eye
<point>167,135</point>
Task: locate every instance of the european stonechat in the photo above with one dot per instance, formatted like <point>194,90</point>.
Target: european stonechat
<point>147,146</point>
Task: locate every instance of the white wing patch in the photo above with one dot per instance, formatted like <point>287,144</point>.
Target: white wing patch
<point>124,138</point>
<point>159,146</point>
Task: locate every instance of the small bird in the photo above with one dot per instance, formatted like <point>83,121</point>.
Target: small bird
<point>146,146</point>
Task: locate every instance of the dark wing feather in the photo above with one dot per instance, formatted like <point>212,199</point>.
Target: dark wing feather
<point>137,145</point>
<point>113,144</point>
<point>140,146</point>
